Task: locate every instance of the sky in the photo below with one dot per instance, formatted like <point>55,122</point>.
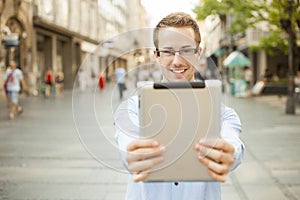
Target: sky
<point>157,9</point>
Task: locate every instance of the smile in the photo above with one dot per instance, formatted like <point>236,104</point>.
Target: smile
<point>178,71</point>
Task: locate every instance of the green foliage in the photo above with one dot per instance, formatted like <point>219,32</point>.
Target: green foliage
<point>273,44</point>
<point>210,7</point>
<point>247,14</point>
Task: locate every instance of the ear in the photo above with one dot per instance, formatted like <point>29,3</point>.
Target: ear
<point>199,51</point>
<point>156,56</point>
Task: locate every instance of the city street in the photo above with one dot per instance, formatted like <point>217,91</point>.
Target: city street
<point>54,151</point>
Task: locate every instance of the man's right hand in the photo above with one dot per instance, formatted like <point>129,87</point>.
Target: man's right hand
<point>142,155</point>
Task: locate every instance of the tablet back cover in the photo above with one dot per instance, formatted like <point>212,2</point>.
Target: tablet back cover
<point>178,117</point>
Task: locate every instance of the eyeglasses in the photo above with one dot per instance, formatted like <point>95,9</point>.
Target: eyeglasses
<point>182,52</point>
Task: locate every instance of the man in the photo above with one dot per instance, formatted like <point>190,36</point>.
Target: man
<point>120,74</point>
<point>248,76</point>
<point>177,39</point>
<point>14,77</point>
<point>48,81</point>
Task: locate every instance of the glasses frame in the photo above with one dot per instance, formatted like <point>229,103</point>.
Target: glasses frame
<point>173,52</point>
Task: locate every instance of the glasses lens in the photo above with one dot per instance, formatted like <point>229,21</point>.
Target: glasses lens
<point>187,52</point>
<point>166,53</point>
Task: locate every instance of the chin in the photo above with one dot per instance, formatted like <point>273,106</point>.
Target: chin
<point>177,79</point>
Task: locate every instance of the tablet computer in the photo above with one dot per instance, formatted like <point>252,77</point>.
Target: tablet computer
<point>178,114</point>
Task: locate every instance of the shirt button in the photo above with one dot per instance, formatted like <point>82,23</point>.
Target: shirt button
<point>176,183</point>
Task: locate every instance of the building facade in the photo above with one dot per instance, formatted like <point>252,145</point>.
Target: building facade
<point>60,35</point>
<point>260,59</point>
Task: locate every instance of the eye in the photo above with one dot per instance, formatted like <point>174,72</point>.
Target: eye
<point>167,52</point>
<point>187,51</point>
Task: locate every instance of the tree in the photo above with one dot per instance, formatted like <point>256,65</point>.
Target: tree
<point>249,14</point>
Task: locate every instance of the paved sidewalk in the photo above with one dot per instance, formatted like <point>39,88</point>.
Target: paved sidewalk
<point>271,169</point>
<point>42,156</point>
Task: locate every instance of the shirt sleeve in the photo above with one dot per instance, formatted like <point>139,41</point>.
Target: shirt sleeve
<point>126,122</point>
<point>20,75</point>
<point>231,128</point>
<point>8,71</point>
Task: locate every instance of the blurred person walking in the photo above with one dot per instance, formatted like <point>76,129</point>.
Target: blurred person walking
<point>5,89</point>
<point>82,80</point>
<point>101,82</point>
<point>14,78</point>
<point>157,74</point>
<point>59,82</point>
<point>297,79</point>
<point>48,82</point>
<point>297,86</point>
<point>248,77</point>
<point>120,74</point>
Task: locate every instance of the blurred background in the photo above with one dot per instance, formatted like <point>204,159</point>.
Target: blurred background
<point>253,45</point>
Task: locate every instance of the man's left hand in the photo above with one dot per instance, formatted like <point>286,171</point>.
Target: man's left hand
<point>217,157</point>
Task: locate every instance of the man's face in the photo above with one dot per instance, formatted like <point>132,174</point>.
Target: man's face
<point>12,65</point>
<point>178,67</point>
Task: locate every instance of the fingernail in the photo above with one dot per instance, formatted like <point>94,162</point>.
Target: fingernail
<point>155,143</point>
<point>201,141</point>
<point>161,159</point>
<point>163,148</point>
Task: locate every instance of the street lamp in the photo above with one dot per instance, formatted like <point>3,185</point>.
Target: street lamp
<point>288,26</point>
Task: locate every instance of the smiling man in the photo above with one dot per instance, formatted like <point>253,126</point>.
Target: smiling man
<point>177,39</point>
<point>176,48</point>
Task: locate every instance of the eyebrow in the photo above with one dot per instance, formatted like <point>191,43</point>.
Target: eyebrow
<point>183,47</point>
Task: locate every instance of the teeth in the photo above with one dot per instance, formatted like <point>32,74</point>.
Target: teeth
<point>177,70</point>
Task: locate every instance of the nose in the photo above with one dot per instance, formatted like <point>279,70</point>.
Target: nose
<point>177,59</point>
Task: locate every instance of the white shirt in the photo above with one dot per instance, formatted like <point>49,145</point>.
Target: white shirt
<point>120,74</point>
<point>126,122</point>
<point>13,84</point>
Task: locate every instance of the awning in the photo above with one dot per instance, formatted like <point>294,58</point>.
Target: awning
<point>236,59</point>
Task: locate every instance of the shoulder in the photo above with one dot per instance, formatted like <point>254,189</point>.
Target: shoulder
<point>129,104</point>
<point>18,72</point>
<point>126,110</point>
<point>229,113</point>
<point>8,70</point>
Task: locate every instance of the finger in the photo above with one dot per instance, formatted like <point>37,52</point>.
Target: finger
<point>218,177</point>
<point>140,176</point>
<point>147,153</point>
<point>220,144</point>
<point>144,165</point>
<point>218,168</point>
<point>144,153</point>
<point>141,143</point>
<point>216,155</point>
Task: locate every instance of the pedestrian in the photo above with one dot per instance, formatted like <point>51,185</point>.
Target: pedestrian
<point>101,82</point>
<point>178,56</point>
<point>248,77</point>
<point>5,89</point>
<point>48,81</point>
<point>93,81</point>
<point>144,73</point>
<point>120,75</point>
<point>59,82</point>
<point>297,79</point>
<point>156,74</point>
<point>297,86</point>
<point>267,76</point>
<point>82,80</point>
<point>14,78</point>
